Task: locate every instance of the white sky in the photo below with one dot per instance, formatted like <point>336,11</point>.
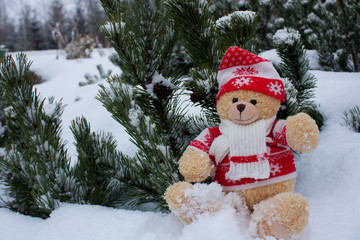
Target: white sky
<point>41,7</point>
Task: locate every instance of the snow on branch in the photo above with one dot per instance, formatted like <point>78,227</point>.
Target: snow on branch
<point>286,36</point>
<point>246,15</point>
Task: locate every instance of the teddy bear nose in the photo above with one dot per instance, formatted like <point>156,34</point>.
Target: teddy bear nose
<point>241,107</point>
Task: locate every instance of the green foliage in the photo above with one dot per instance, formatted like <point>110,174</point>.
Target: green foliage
<point>295,67</point>
<point>237,29</point>
<point>296,15</point>
<point>161,48</point>
<point>35,78</point>
<point>145,101</point>
<point>352,118</point>
<point>219,9</point>
<point>97,157</point>
<point>205,41</point>
<point>139,30</point>
<point>161,131</point>
<point>332,28</point>
<point>271,18</point>
<point>125,75</point>
<point>35,170</point>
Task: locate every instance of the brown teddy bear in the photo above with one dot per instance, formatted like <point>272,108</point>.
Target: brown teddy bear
<point>249,153</point>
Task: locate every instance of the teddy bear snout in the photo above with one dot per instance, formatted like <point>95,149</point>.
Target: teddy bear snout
<point>241,107</point>
<point>243,113</point>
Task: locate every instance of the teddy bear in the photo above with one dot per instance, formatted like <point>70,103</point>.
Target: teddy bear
<point>250,152</point>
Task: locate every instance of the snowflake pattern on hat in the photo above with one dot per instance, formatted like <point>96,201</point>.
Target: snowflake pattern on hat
<point>275,87</point>
<point>239,82</point>
<point>245,71</point>
<point>236,56</point>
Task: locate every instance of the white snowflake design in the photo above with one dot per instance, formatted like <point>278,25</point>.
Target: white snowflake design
<point>245,71</point>
<point>242,81</point>
<point>275,88</point>
<point>274,169</point>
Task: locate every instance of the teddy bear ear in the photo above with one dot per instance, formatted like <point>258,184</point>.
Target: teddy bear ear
<point>243,70</point>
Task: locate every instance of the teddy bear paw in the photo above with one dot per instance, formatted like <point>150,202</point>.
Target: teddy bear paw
<point>302,132</point>
<point>195,165</point>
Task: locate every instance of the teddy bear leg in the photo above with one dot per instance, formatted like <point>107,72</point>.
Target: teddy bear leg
<point>175,198</point>
<point>255,195</point>
<point>184,202</point>
<point>283,216</point>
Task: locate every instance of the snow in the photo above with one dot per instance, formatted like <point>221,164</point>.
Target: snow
<point>113,27</point>
<point>206,198</point>
<point>286,36</point>
<point>248,15</point>
<point>158,79</point>
<point>62,79</point>
<point>265,2</point>
<point>311,54</point>
<point>328,176</point>
<point>330,2</point>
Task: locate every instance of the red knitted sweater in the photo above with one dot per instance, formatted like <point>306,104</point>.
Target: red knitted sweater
<point>281,159</point>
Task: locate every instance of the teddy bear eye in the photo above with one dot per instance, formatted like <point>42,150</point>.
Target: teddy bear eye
<point>253,101</point>
<point>235,100</point>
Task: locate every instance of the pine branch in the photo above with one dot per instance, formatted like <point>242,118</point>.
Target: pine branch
<point>205,41</point>
<point>97,155</point>
<point>35,169</point>
<point>196,28</point>
<point>238,29</point>
<point>295,67</point>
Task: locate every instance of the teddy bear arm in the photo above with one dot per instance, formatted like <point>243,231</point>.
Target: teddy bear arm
<point>302,133</point>
<point>195,165</point>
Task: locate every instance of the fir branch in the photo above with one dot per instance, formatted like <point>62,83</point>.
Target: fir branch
<point>155,166</point>
<point>295,67</point>
<point>97,155</point>
<point>197,30</point>
<point>143,39</point>
<point>35,169</point>
<point>351,118</point>
<point>238,29</point>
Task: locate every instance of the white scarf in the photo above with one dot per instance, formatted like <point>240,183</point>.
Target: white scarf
<point>242,141</point>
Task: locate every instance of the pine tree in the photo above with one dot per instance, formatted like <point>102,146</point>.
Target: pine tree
<point>300,83</point>
<point>35,36</point>
<point>351,118</point>
<point>35,170</point>
<point>270,19</point>
<point>97,160</point>
<point>3,127</point>
<point>145,98</point>
<point>79,19</point>
<point>205,41</point>
<point>94,16</point>
<point>148,104</point>
<point>296,15</point>
<point>330,27</point>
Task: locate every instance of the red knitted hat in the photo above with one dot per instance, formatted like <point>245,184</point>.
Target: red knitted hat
<point>241,69</point>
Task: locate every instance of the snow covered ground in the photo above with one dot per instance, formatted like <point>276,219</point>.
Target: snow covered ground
<point>329,176</point>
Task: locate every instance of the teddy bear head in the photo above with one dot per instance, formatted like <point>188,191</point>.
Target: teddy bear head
<point>250,88</point>
<point>246,106</point>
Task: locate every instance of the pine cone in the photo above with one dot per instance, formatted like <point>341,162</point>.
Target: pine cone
<point>196,97</point>
<point>162,91</point>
